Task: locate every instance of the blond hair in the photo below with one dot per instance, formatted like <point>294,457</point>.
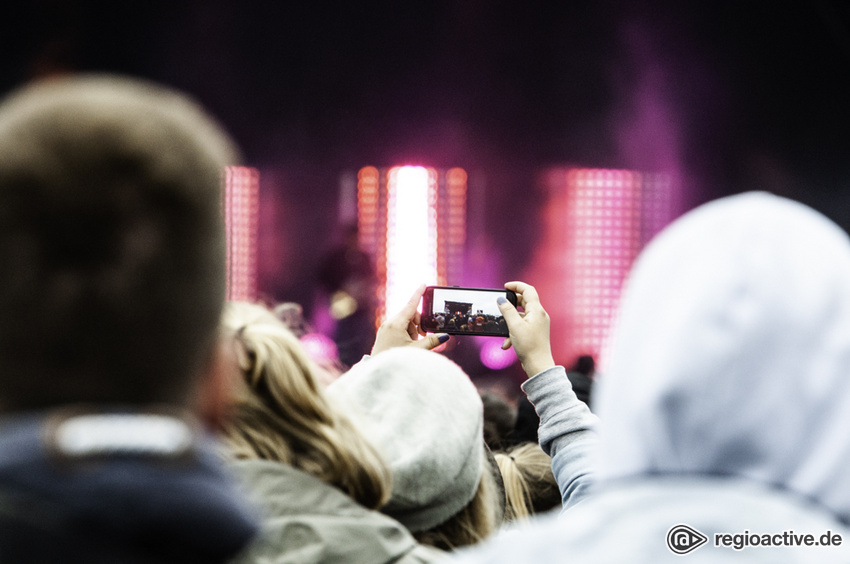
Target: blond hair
<point>530,486</point>
<point>280,411</point>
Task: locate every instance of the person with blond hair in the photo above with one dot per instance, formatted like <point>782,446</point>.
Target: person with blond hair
<point>427,417</point>
<point>530,486</point>
<point>317,477</point>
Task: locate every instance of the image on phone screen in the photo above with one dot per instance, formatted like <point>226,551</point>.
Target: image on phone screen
<point>464,311</point>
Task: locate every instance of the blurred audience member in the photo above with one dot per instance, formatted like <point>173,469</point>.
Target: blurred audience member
<point>581,377</point>
<point>348,277</point>
<point>527,422</point>
<point>426,414</point>
<point>726,402</point>
<point>530,486</point>
<point>292,315</point>
<point>318,478</point>
<point>111,289</point>
<point>427,417</point>
<point>321,349</point>
<point>499,419</point>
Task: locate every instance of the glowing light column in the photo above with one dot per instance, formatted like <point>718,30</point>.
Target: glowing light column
<point>412,221</point>
<point>241,209</point>
<point>411,233</point>
<point>603,213</point>
<point>597,221</point>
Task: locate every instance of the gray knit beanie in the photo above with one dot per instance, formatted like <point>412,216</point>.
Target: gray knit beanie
<point>425,414</point>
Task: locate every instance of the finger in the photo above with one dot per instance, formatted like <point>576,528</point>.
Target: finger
<point>506,344</point>
<point>412,331</point>
<point>412,306</point>
<point>511,315</point>
<point>432,341</point>
<point>526,295</point>
<point>518,288</point>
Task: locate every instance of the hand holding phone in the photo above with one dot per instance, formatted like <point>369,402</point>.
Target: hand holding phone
<point>404,329</point>
<point>465,311</point>
<point>529,330</point>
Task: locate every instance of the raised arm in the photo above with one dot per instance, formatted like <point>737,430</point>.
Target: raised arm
<point>567,427</point>
<point>404,330</point>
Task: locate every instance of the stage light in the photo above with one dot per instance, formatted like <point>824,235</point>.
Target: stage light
<point>604,212</point>
<point>493,357</point>
<point>411,233</point>
<point>597,221</point>
<point>241,207</point>
<point>319,347</point>
<point>412,221</point>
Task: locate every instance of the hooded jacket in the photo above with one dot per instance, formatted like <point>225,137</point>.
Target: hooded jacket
<point>116,487</point>
<point>309,522</point>
<point>725,406</point>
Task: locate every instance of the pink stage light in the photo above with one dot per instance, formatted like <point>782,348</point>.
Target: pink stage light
<point>369,211</point>
<point>493,357</point>
<point>411,233</point>
<point>603,210</point>
<point>412,221</point>
<point>596,223</point>
<point>451,227</point>
<point>319,347</point>
<point>241,208</point>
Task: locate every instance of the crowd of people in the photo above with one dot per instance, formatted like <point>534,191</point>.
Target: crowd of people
<point>146,420</point>
<point>477,322</point>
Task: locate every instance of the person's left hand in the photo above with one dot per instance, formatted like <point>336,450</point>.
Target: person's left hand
<point>404,330</point>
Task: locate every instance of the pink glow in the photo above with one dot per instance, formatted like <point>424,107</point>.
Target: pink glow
<point>412,220</point>
<point>596,222</point>
<point>241,208</point>
<point>603,211</point>
<point>319,347</point>
<point>452,227</point>
<point>493,357</point>
<point>368,197</point>
<point>411,233</point>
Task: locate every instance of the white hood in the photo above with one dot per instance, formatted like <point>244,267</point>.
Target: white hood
<point>731,354</point>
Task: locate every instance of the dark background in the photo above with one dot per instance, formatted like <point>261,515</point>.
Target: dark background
<point>728,95</point>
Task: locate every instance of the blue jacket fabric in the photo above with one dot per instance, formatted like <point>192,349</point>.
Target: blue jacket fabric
<point>124,505</point>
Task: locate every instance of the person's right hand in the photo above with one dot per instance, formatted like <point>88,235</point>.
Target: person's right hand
<point>404,329</point>
<point>529,330</point>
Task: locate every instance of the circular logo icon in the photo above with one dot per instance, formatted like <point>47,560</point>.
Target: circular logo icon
<point>682,539</point>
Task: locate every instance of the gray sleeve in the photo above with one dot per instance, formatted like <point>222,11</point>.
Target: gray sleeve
<point>567,432</point>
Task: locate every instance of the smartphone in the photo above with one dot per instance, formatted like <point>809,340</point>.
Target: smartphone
<point>464,311</point>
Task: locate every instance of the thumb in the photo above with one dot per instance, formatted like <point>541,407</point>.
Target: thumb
<point>512,316</point>
<point>432,341</point>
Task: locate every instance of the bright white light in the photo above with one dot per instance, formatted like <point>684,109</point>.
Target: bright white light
<point>411,233</point>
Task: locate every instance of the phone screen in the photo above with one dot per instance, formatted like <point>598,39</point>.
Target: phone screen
<point>464,311</point>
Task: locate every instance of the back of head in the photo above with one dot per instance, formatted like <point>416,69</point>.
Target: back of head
<point>426,414</point>
<point>499,419</point>
<point>530,485</point>
<point>280,412</point>
<point>732,350</point>
<point>111,241</point>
